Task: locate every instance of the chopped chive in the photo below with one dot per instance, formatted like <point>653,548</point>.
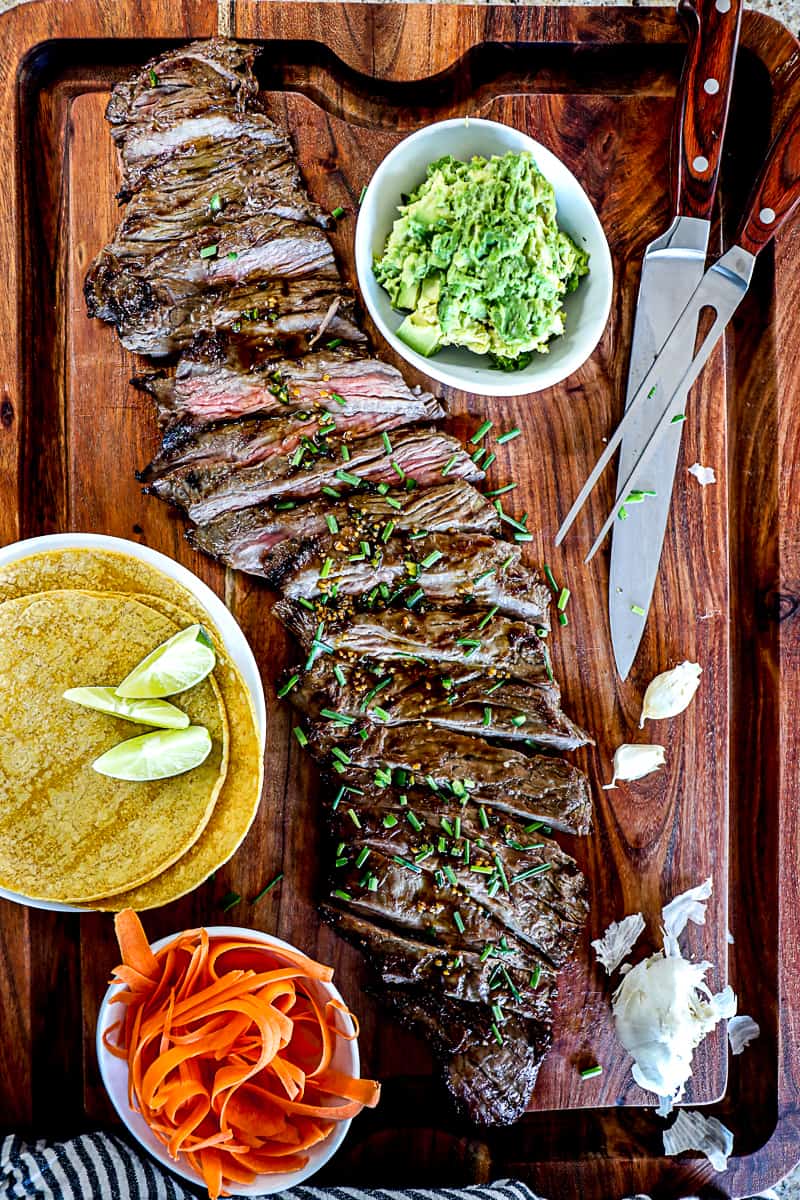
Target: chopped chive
<point>478,455</point>
<point>451,875</point>
<point>387,442</point>
<point>446,826</point>
<point>389,821</point>
<point>327,567</point>
<point>487,719</point>
<point>497,1012</point>
<point>431,558</point>
<point>652,392</point>
<point>519,720</point>
<point>348,477</point>
<point>508,437</point>
<point>501,872</point>
<point>623,513</point>
<point>340,755</point>
<point>332,523</point>
<point>489,461</point>
<point>209,251</point>
<point>273,883</point>
<point>380,713</point>
<point>482,869</point>
<point>551,578</point>
<point>495,687</point>
<point>332,492</point>
<point>563,619</point>
<point>486,952</point>
<point>414,598</point>
<point>484,621</point>
<point>591,1072</point>
<point>354,817</point>
<point>230,901</point>
<point>339,675</point>
<point>151,75</point>
<point>363,194</point>
<point>363,856</point>
<point>337,398</point>
<point>305,603</point>
<point>536,975</point>
<point>502,491</point>
<point>523,537</point>
<point>414,821</point>
<point>337,212</point>
<point>215,203</point>
<point>470,643</point>
<point>506,563</point>
<point>448,466</point>
<point>342,895</point>
<point>509,520</point>
<point>287,687</point>
<point>676,420</point>
<point>563,599</point>
<point>637,608</point>
<point>540,870</point>
<point>301,737</point>
<point>458,921</point>
<point>393,502</point>
<point>481,432</point>
<point>331,715</point>
<point>232,255</point>
<point>498,1037</point>
<point>405,862</point>
<point>333,343</point>
<point>345,449</point>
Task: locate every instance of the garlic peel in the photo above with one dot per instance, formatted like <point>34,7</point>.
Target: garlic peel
<point>670,692</point>
<point>634,762</point>
<point>741,1032</point>
<point>618,941</point>
<point>693,1131</point>
<point>703,475</point>
<point>688,906</point>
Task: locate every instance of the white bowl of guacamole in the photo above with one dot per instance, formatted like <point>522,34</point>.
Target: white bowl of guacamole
<point>481,259</point>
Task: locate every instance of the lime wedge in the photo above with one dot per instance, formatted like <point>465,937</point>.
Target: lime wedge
<point>156,755</point>
<point>179,663</point>
<point>142,712</point>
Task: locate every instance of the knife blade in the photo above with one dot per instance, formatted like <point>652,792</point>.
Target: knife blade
<point>672,268</point>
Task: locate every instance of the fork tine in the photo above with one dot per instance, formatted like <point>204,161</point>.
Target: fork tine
<point>597,471</point>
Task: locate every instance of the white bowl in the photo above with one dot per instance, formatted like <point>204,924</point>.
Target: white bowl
<point>114,1073</point>
<point>587,308</point>
<point>233,639</point>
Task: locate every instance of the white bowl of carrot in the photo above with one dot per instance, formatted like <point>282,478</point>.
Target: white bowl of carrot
<point>230,1056</point>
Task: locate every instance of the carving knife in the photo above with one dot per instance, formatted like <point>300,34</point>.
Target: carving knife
<point>672,268</point>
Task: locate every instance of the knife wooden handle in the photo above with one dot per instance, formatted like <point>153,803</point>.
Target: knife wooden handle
<point>776,195</point>
<point>703,99</point>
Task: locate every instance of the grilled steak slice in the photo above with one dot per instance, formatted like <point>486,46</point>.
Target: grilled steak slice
<point>470,570</point>
<point>535,788</point>
<point>509,647</point>
<point>264,542</point>
<point>491,1081</point>
<point>460,699</point>
<point>534,896</point>
<point>400,961</point>
<point>206,389</point>
<point>255,439</point>
<point>205,493</point>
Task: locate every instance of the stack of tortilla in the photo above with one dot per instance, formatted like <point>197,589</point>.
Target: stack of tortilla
<point>76,618</point>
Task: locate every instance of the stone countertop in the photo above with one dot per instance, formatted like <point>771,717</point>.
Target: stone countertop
<point>787,11</point>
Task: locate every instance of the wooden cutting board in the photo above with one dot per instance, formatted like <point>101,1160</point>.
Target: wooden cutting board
<point>597,87</point>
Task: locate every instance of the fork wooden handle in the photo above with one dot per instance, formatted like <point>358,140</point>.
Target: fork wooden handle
<point>777,192</point>
<point>703,100</point>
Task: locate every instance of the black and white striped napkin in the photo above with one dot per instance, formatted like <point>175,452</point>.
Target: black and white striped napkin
<point>98,1166</point>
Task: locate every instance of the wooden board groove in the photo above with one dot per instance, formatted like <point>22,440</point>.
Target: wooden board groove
<point>596,86</point>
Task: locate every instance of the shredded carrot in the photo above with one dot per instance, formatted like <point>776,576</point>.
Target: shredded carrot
<point>229,1052</point>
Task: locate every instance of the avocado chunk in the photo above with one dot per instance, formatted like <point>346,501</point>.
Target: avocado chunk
<point>419,335</point>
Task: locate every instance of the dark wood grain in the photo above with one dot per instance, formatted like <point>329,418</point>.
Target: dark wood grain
<point>703,101</point>
<point>598,87</point>
<point>777,191</point>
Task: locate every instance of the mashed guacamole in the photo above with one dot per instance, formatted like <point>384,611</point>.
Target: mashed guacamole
<point>477,259</point>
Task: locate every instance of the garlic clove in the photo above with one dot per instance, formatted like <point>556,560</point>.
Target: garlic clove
<point>634,762</point>
<point>670,692</point>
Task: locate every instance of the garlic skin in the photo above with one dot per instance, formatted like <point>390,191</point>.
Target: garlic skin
<point>703,475</point>
<point>693,1131</point>
<point>670,692</point>
<point>618,940</point>
<point>634,762</point>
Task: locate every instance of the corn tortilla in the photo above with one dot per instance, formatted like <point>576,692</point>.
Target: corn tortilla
<point>103,570</point>
<point>66,832</point>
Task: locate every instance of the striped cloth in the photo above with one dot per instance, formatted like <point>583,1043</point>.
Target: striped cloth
<point>98,1166</point>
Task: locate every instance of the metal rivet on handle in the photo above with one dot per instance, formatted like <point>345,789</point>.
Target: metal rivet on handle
<point>700,164</point>
<point>766,216</point>
<point>723,6</point>
<point>711,86</point>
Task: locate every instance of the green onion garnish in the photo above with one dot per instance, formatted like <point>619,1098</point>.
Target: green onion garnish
<point>331,715</point>
<point>151,75</point>
<point>484,575</point>
<point>563,599</point>
<point>431,558</point>
<point>536,975</point>
<point>414,598</point>
<point>273,883</point>
<point>348,477</point>
<point>363,856</point>
<point>478,455</point>
<point>458,921</point>
<point>287,687</point>
<point>540,870</point>
<point>676,420</point>
<point>498,1037</point>
<point>405,862</point>
<point>393,502</point>
<point>414,821</point>
<point>636,608</point>
<point>506,563</point>
<point>363,194</point>
<point>380,713</point>
<point>519,720</point>
<point>301,737</point>
<point>354,817</point>
<point>230,901</point>
<point>484,621</point>
<point>340,755</point>
<point>339,399</point>
<point>489,462</point>
<point>591,1072</point>
<point>502,491</point>
<point>389,821</point>
<point>448,466</point>
<point>332,523</point>
<point>550,578</point>
<point>333,343</point>
<point>387,443</point>
<point>342,895</point>
<point>480,433</point>
<point>209,251</point>
<point>451,875</point>
<point>215,203</point>
<point>337,212</point>
<point>487,719</point>
<point>508,437</point>
<point>339,675</point>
